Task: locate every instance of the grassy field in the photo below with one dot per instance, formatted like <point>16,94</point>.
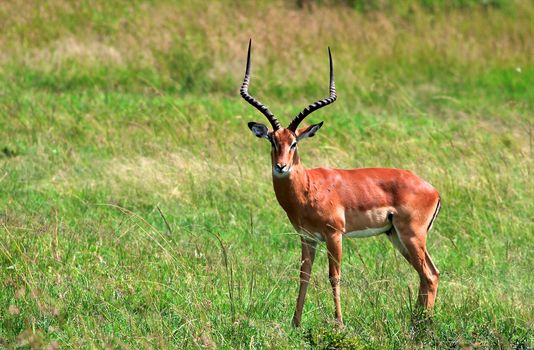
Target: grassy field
<point>137,210</point>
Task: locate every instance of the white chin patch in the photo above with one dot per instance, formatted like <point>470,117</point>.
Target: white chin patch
<point>282,174</point>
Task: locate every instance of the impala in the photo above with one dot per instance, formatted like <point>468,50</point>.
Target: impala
<point>331,204</point>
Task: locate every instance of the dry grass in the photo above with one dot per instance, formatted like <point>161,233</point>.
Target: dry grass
<point>478,37</point>
<point>167,176</point>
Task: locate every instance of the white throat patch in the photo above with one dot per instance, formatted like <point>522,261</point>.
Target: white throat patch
<point>284,174</point>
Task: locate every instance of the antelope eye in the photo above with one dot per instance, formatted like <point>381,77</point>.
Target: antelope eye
<point>294,144</point>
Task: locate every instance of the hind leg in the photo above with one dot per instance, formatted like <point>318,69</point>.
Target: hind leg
<point>410,240</point>
<point>393,237</point>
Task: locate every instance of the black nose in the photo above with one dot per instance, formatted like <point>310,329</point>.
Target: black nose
<point>280,166</point>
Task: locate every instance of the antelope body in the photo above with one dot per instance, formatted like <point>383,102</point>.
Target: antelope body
<point>331,204</point>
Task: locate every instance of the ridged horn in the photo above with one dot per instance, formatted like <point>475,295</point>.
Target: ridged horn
<point>257,104</point>
<point>318,104</point>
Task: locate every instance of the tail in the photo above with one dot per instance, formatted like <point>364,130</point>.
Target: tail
<point>436,212</point>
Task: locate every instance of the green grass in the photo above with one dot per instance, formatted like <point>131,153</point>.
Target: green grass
<point>137,210</point>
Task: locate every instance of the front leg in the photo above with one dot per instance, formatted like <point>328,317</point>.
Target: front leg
<point>306,263</point>
<point>334,247</point>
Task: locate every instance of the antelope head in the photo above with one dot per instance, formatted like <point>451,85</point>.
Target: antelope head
<point>284,140</point>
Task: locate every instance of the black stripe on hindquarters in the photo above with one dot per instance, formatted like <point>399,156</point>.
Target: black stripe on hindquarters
<point>390,219</point>
<point>436,212</point>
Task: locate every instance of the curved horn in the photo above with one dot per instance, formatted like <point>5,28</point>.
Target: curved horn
<point>257,104</point>
<point>318,104</point>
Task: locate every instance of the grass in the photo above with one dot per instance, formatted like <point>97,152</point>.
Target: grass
<point>137,211</point>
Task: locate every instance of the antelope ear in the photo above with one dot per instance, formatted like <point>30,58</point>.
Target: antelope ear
<point>259,130</point>
<point>310,131</point>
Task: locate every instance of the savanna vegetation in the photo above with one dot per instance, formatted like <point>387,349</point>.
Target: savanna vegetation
<point>137,211</point>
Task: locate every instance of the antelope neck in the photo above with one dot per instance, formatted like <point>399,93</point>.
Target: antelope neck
<point>292,190</point>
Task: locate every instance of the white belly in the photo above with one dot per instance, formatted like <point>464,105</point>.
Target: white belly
<point>367,232</point>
